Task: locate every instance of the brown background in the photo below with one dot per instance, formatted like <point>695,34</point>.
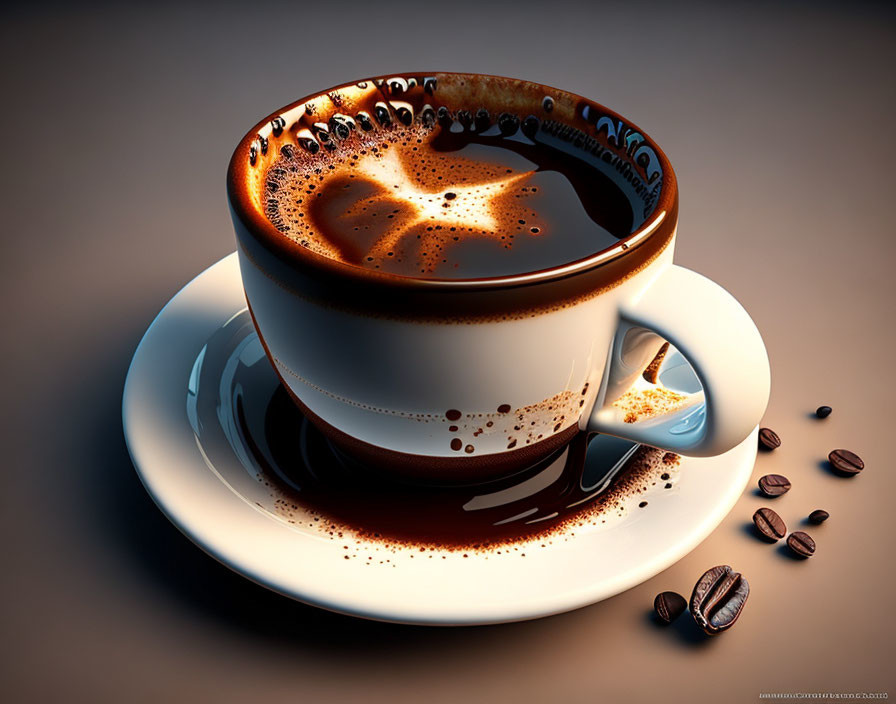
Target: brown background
<point>117,128</point>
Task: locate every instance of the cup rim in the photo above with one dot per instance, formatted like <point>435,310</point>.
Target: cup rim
<point>660,224</point>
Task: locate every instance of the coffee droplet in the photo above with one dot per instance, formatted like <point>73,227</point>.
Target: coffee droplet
<point>405,116</point>
<point>530,126</point>
<point>397,85</point>
<point>456,444</point>
<point>452,414</point>
<point>364,120</point>
<point>768,439</point>
<point>823,411</point>
<point>504,408</point>
<point>846,462</point>
<point>428,115</point>
<point>774,485</point>
<point>465,118</point>
<point>468,449</point>
<point>381,112</point>
<point>818,516</point>
<point>430,84</point>
<point>340,127</point>
<point>508,124</point>
<point>547,103</point>
<point>483,120</point>
<point>669,606</point>
<point>801,543</point>
<point>769,524</point>
<point>444,117</point>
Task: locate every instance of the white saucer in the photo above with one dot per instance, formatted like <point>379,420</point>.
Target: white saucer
<point>220,504</point>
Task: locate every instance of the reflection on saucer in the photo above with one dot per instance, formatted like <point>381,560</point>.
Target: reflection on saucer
<point>236,405</point>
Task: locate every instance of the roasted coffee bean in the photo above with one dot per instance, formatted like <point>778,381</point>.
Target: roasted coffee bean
<point>846,462</point>
<point>774,485</point>
<point>801,543</point>
<point>823,411</point>
<point>818,516</point>
<point>768,439</point>
<point>669,606</point>
<point>769,524</point>
<point>718,599</point>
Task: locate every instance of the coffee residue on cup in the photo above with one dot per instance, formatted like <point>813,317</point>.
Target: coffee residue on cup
<point>315,487</point>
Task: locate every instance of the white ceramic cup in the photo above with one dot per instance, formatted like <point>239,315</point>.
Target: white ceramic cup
<point>465,380</point>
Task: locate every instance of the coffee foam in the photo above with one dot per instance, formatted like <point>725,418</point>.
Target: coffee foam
<point>323,140</point>
<point>395,200</point>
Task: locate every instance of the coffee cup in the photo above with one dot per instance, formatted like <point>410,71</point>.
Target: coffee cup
<point>465,379</point>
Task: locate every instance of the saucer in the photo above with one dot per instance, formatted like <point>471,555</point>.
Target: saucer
<point>193,400</point>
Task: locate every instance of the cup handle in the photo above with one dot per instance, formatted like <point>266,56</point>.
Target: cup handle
<point>719,339</point>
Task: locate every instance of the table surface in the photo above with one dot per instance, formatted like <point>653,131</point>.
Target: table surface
<point>119,125</point>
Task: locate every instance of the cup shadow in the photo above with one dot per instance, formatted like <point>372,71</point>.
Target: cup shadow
<point>124,517</point>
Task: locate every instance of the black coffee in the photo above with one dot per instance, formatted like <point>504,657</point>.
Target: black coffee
<point>447,194</point>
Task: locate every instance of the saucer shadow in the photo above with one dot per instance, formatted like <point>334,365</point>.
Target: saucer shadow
<point>125,519</point>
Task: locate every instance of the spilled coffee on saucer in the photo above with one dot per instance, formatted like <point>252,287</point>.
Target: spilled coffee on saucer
<point>427,177</point>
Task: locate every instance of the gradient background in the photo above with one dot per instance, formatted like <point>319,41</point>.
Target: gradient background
<point>118,124</point>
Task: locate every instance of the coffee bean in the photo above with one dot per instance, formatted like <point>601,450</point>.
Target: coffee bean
<point>846,462</point>
<point>801,543</point>
<point>769,524</point>
<point>818,516</point>
<point>768,439</point>
<point>718,599</point>
<point>823,411</point>
<point>774,485</point>
<point>669,606</point>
